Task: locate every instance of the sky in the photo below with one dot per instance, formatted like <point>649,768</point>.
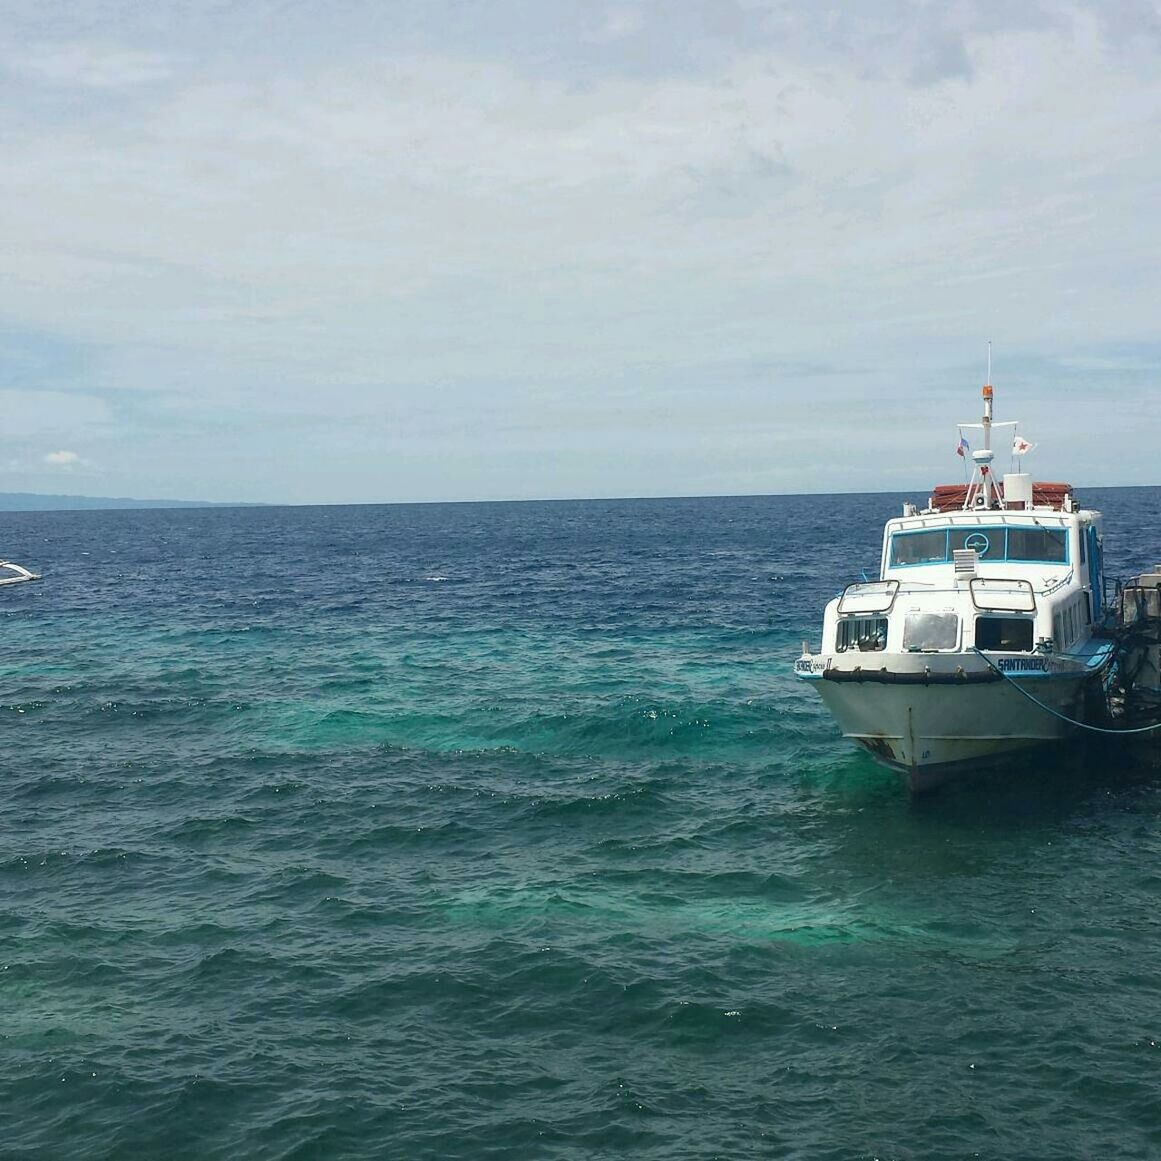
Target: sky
<point>392,250</point>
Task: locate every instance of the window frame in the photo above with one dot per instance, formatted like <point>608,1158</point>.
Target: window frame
<point>992,531</point>
<point>991,618</point>
<point>942,615</point>
<point>846,629</point>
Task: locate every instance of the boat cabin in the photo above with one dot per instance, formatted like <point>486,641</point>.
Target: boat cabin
<point>1022,578</point>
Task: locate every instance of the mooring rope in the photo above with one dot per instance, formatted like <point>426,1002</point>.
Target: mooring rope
<point>1057,714</point>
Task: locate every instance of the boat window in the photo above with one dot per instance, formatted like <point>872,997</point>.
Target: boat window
<point>929,632</point>
<point>1068,623</point>
<point>1037,544</point>
<point>867,634</point>
<point>997,543</point>
<point>987,543</point>
<point>919,547</point>
<point>1010,633</point>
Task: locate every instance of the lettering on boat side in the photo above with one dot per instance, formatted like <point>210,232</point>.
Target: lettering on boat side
<point>809,665</point>
<point>1022,665</point>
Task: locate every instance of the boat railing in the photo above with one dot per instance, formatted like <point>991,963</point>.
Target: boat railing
<point>1136,606</point>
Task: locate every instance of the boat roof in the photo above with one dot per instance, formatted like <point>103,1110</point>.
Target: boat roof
<point>953,497</point>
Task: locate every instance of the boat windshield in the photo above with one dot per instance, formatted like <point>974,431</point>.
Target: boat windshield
<point>1033,544</point>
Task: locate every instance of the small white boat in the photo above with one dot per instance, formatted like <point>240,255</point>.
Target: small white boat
<point>979,641</point>
<point>14,574</point>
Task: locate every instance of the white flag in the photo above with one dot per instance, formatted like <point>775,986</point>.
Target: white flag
<point>1020,445</point>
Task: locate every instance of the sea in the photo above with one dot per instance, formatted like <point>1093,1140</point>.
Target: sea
<point>506,831</point>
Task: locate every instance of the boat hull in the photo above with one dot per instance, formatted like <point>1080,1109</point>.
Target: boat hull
<point>932,733</point>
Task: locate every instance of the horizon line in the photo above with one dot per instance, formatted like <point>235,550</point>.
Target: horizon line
<point>132,502</point>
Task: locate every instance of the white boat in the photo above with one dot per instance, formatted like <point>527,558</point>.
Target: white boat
<point>979,641</point>
<point>14,574</point>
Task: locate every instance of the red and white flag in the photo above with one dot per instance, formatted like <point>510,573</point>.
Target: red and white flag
<point>1020,445</point>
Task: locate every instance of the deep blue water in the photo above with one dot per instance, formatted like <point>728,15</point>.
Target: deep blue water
<point>505,831</point>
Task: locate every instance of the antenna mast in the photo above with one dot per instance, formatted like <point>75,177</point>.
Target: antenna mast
<point>983,458</point>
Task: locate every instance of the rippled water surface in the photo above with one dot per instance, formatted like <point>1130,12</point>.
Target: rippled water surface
<point>504,831</point>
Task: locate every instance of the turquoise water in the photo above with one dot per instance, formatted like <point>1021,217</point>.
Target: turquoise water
<point>469,831</point>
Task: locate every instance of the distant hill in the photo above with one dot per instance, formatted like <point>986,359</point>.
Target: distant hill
<point>34,502</point>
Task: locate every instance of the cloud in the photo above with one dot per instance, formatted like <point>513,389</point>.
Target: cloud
<point>63,459</point>
<point>431,224</point>
<point>620,22</point>
<point>92,66</point>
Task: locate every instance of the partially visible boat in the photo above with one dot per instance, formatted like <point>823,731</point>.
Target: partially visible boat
<point>1135,685</point>
<point>980,640</point>
<point>14,574</point>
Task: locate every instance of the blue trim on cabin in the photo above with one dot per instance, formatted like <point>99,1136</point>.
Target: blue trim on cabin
<point>989,533</point>
<point>1095,571</point>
